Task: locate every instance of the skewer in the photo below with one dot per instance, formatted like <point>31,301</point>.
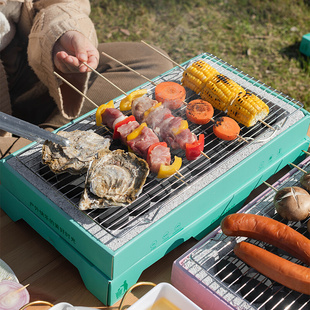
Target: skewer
<point>270,186</point>
<point>306,152</point>
<point>266,124</point>
<point>202,153</point>
<point>261,121</point>
<point>20,289</point>
<point>179,173</point>
<point>67,82</point>
<point>103,77</point>
<point>163,55</point>
<point>181,180</point>
<point>238,136</point>
<point>71,85</point>
<point>17,291</point>
<point>304,171</point>
<point>105,54</point>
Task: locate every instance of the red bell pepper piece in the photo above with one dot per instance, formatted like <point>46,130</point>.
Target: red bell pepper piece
<point>193,150</point>
<point>128,119</point>
<point>151,148</point>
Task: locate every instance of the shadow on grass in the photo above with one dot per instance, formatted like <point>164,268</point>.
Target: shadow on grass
<point>292,52</point>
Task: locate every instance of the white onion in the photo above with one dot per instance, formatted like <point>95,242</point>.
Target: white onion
<point>13,295</point>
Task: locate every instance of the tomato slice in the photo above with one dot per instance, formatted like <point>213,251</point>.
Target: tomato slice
<point>127,120</point>
<point>193,150</point>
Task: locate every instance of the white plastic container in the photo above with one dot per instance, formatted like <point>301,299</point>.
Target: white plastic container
<point>167,292</point>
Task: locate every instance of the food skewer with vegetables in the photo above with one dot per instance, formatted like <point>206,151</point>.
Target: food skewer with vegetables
<point>140,139</point>
<point>223,93</point>
<point>201,112</point>
<point>172,95</point>
<point>164,170</point>
<point>173,131</point>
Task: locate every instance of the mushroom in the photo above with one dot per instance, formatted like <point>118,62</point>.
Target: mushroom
<point>292,203</point>
<point>305,181</point>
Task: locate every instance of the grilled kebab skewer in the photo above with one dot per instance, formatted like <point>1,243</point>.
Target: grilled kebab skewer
<point>223,93</point>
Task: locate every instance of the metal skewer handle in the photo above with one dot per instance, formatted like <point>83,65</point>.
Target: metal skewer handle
<point>29,131</point>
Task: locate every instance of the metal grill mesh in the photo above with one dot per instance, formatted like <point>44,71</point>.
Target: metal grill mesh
<point>215,264</point>
<point>120,220</point>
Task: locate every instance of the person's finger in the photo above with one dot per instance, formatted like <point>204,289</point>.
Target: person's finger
<point>66,63</point>
<point>79,45</point>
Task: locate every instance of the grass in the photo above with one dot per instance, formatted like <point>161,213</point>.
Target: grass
<point>259,37</point>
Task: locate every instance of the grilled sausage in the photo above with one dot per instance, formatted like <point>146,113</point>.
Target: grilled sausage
<point>268,230</point>
<point>289,274</point>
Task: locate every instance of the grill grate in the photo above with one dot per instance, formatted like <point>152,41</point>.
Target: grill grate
<point>118,221</point>
<point>242,287</point>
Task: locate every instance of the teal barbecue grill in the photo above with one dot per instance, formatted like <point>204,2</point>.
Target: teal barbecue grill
<point>111,247</point>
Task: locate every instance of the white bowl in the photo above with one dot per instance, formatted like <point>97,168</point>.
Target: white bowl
<point>164,290</point>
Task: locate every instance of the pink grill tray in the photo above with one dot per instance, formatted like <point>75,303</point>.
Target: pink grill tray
<point>191,286</point>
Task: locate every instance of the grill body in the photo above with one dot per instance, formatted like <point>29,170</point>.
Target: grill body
<point>111,259</point>
<point>209,272</point>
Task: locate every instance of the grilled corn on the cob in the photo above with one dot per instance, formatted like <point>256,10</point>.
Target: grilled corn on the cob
<point>221,91</point>
<point>247,109</point>
<point>197,74</point>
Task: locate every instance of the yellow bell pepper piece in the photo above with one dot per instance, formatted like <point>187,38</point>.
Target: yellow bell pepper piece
<point>134,134</point>
<point>100,111</point>
<point>183,125</point>
<point>167,171</point>
<point>148,111</point>
<point>126,102</point>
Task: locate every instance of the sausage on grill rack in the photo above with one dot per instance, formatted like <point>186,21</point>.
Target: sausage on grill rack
<point>289,274</point>
<point>268,230</point>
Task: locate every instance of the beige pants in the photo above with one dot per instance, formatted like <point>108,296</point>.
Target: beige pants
<point>135,55</point>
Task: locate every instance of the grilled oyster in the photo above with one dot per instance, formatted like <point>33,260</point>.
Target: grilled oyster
<point>115,178</point>
<point>75,158</point>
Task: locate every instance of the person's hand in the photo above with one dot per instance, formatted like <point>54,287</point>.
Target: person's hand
<point>71,50</point>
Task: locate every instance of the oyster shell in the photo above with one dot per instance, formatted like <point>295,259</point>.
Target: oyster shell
<point>75,158</point>
<point>115,178</point>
